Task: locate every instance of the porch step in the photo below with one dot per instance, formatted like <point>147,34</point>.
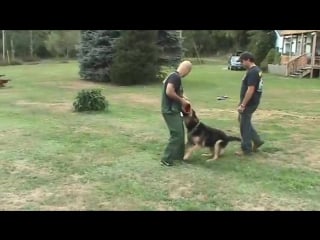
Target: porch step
<point>295,75</point>
<point>306,68</point>
<point>301,72</point>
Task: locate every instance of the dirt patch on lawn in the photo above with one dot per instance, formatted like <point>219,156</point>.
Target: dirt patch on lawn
<point>20,200</point>
<point>22,167</point>
<point>55,107</point>
<point>70,196</point>
<point>177,190</point>
<point>136,99</point>
<point>259,114</point>
<point>266,202</point>
<point>78,85</point>
<point>305,154</point>
<point>271,114</point>
<point>91,130</point>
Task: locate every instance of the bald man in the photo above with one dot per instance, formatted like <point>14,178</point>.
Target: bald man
<point>173,100</point>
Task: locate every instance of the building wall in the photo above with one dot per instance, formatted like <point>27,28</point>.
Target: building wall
<point>292,45</point>
<point>279,42</point>
<point>277,69</point>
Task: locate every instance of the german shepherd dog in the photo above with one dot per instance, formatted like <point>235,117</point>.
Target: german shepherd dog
<point>201,136</point>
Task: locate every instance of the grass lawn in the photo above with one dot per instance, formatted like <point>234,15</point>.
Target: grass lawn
<point>55,159</point>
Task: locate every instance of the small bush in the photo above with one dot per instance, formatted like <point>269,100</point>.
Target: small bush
<point>161,76</point>
<point>270,56</point>
<point>90,100</point>
<point>277,58</point>
<point>269,59</point>
<point>264,65</point>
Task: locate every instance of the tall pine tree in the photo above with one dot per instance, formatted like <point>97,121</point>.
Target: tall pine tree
<point>136,58</point>
<point>97,49</point>
<point>96,54</point>
<point>171,49</point>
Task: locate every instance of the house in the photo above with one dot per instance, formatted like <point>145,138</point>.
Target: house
<point>300,55</point>
<point>279,41</point>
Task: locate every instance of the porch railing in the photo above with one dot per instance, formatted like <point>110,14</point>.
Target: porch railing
<point>317,60</point>
<point>296,63</point>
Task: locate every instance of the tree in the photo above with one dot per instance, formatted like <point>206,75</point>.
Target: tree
<point>239,38</point>
<point>39,38</point>
<point>96,52</point>
<point>136,58</point>
<point>196,41</point>
<point>97,49</point>
<point>31,43</point>
<point>170,45</point>
<point>206,42</point>
<point>28,43</point>
<point>61,42</point>
<point>261,41</point>
<point>3,45</point>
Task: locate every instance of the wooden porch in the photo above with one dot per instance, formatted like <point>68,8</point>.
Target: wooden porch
<point>301,53</point>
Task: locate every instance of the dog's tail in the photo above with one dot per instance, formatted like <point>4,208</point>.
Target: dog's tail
<point>231,138</point>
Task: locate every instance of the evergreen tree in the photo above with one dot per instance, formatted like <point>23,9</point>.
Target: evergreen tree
<point>62,42</point>
<point>136,58</point>
<point>96,52</point>
<point>171,49</point>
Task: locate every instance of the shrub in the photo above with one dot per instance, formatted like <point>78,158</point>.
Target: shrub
<point>90,100</point>
<point>271,55</point>
<point>277,58</point>
<point>264,65</point>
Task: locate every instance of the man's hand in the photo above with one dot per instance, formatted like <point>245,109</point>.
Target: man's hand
<point>246,99</point>
<point>241,108</point>
<point>185,103</point>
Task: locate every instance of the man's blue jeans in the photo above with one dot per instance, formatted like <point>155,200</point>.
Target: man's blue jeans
<point>247,131</point>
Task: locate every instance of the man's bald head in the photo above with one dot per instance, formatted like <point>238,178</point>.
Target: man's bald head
<point>184,68</point>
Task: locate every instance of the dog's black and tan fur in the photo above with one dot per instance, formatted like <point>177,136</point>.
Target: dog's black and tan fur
<point>201,136</point>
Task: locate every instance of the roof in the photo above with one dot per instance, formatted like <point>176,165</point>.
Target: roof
<point>290,32</point>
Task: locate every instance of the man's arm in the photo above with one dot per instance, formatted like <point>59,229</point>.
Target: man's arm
<point>248,96</point>
<point>185,97</point>
<point>252,79</point>
<point>170,91</point>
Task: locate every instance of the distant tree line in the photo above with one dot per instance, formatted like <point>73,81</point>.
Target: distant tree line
<point>220,42</point>
<point>131,56</point>
<point>29,45</point>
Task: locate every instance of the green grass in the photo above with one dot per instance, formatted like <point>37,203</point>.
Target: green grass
<point>55,159</point>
